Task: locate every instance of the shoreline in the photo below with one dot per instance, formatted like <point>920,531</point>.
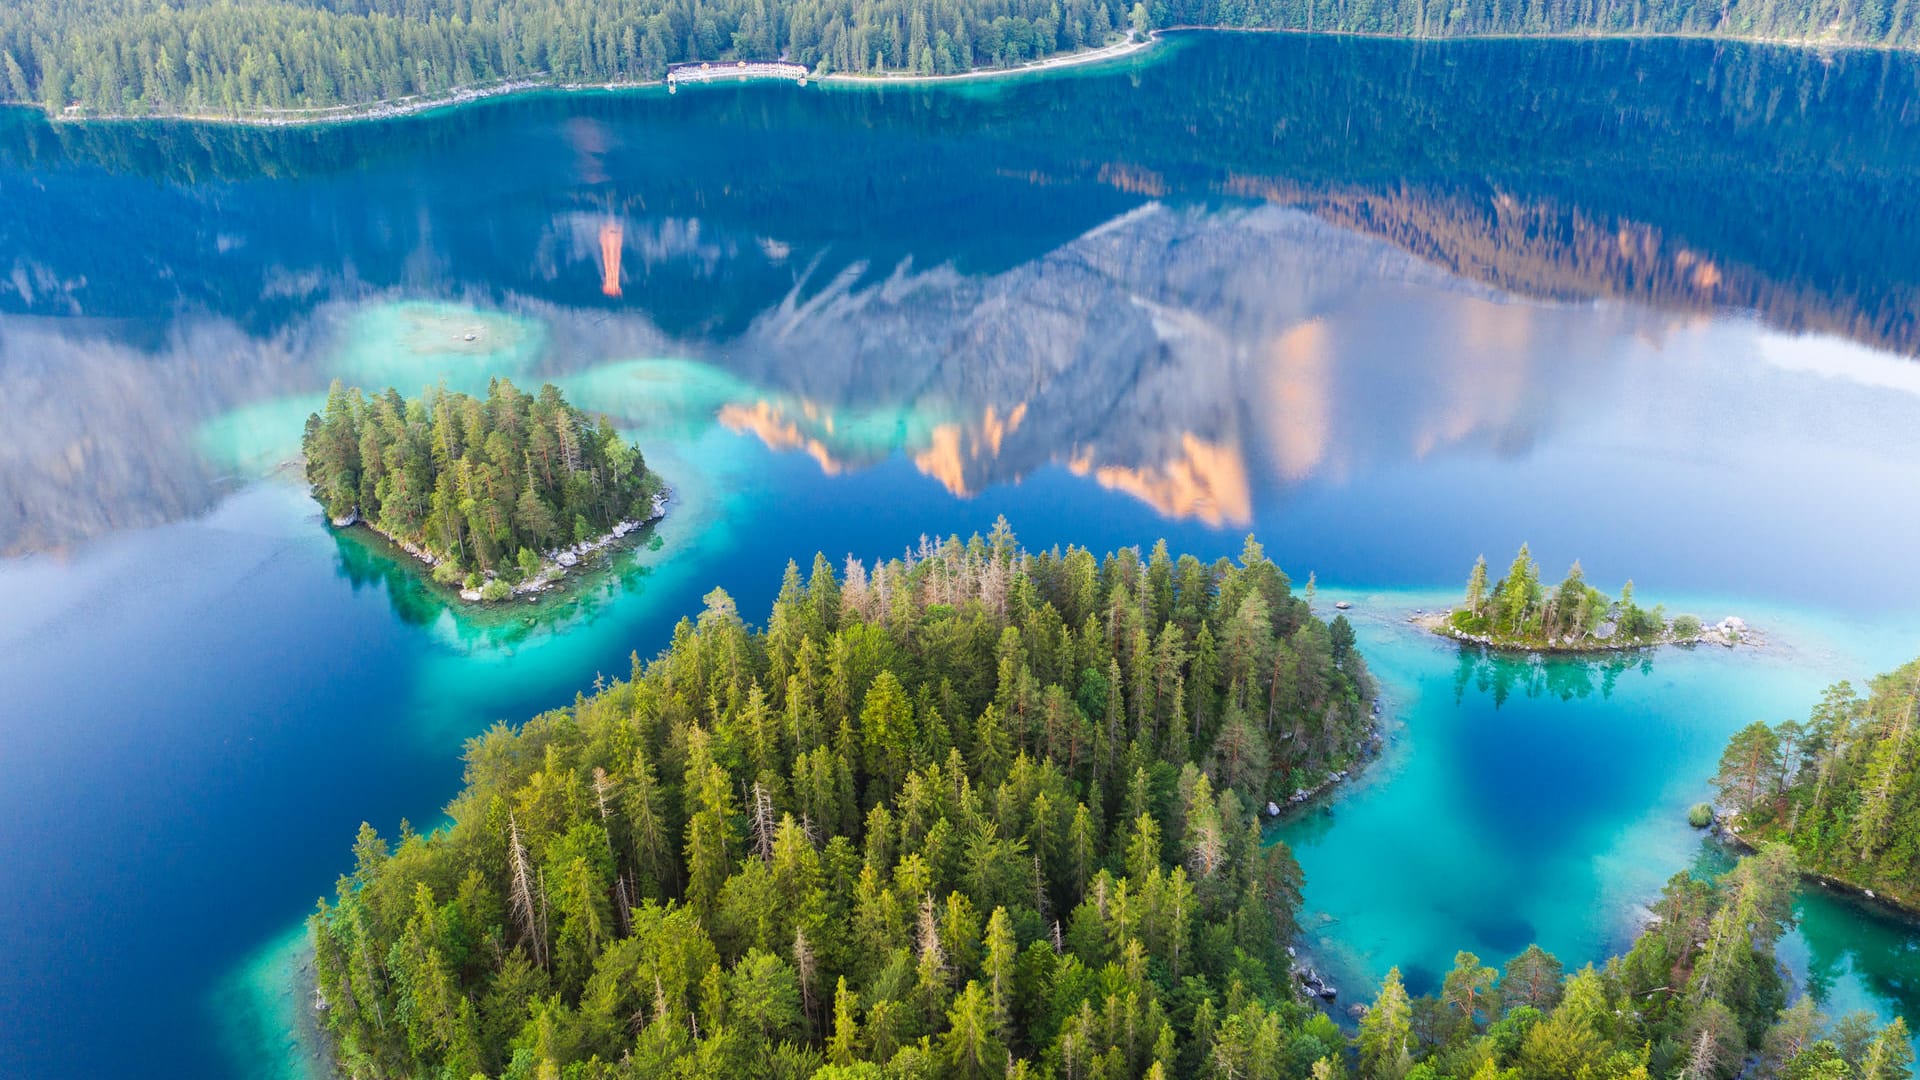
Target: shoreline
<point>1437,624</point>
<point>1315,985</point>
<point>1369,749</point>
<point>310,1035</point>
<point>1812,44</point>
<point>531,85</point>
<point>1904,908</point>
<point>1055,62</point>
<point>554,564</point>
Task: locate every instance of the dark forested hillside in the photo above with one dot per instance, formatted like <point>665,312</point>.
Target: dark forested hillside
<point>133,56</point>
<point>249,56</point>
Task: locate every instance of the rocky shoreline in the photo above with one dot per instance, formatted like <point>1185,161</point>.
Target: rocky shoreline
<point>1370,748</point>
<point>554,564</point>
<point>1311,981</point>
<point>1903,908</point>
<point>311,1039</point>
<point>1730,632</point>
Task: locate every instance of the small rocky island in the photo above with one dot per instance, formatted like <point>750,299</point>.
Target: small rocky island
<point>1521,613</point>
<point>498,496</point>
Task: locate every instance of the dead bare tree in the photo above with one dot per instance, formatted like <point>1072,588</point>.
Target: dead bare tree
<point>623,896</point>
<point>763,826</point>
<point>602,783</point>
<point>526,911</point>
<point>805,966</point>
<point>928,943</point>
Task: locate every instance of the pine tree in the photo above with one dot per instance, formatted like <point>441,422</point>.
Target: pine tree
<point>1477,587</point>
<point>1386,1032</point>
<point>1750,768</point>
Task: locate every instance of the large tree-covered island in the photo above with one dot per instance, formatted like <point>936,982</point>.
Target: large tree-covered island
<point>498,496</point>
<point>1520,612</point>
<point>980,813</point>
<point>971,804</point>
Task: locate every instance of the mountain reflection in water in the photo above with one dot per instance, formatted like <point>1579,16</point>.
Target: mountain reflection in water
<point>1234,268</point>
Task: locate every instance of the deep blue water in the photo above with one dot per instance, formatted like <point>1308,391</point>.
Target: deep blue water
<point>1388,306</point>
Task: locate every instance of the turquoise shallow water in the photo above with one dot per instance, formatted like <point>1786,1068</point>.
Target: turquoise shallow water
<point>1527,800</point>
<point>1343,294</point>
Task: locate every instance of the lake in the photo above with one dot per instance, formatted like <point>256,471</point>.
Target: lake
<point>1389,306</point>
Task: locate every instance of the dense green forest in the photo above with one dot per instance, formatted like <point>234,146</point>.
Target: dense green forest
<point>137,56</point>
<point>1521,611</point>
<point>239,57</point>
<point>969,803</point>
<point>1842,787</point>
<point>981,813</point>
<point>483,487</point>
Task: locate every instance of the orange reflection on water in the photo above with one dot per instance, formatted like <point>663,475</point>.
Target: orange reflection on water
<point>942,461</point>
<point>1483,385</point>
<point>951,447</point>
<point>1133,179</point>
<point>993,429</point>
<point>611,237</point>
<point>1207,482</point>
<point>772,427</point>
<point>1300,399</point>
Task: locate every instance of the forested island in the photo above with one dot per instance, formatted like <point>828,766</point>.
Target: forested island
<point>966,804</point>
<point>262,59</point>
<point>1842,787</point>
<point>499,496</point>
<point>1520,612</point>
<point>981,813</point>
